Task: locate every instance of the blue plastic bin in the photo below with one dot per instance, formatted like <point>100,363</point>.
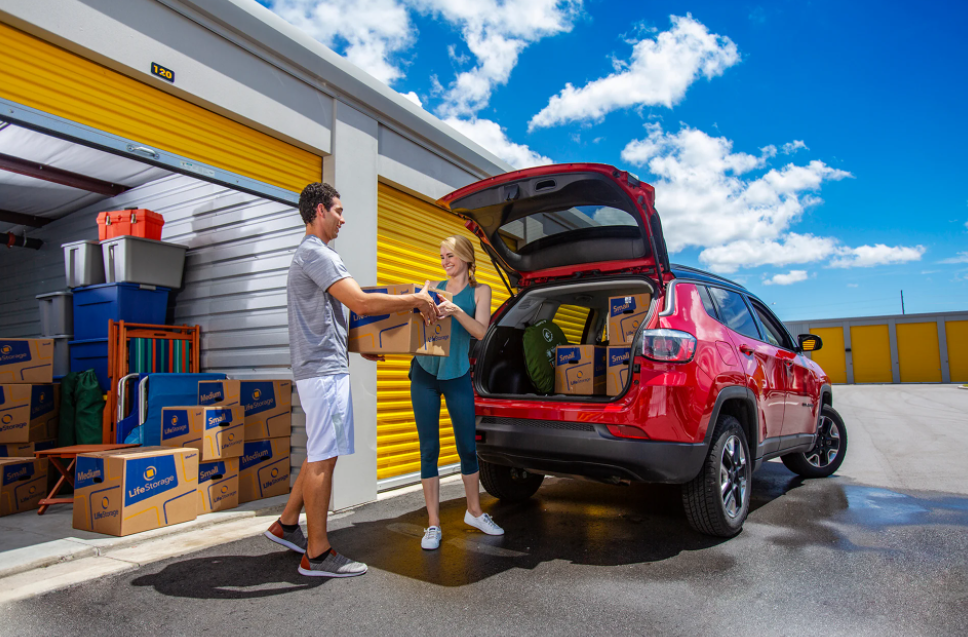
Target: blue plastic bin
<point>129,302</point>
<point>91,354</point>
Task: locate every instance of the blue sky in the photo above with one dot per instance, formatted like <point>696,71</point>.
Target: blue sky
<point>814,152</point>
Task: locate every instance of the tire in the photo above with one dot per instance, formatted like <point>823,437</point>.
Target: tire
<point>831,438</point>
<point>508,484</point>
<point>729,466</point>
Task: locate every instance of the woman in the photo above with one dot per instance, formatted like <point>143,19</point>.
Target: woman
<point>432,376</point>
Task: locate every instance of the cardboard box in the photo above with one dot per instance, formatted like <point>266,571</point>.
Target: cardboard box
<point>29,413</point>
<point>580,370</point>
<point>23,483</point>
<point>133,490</point>
<point>17,450</point>
<point>401,332</point>
<point>218,485</point>
<point>216,431</point>
<point>264,469</point>
<point>618,362</point>
<point>26,360</point>
<point>267,404</point>
<point>625,314</point>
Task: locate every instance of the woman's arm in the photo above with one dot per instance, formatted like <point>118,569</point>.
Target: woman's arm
<point>475,325</point>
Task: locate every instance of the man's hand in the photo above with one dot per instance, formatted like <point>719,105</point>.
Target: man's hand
<point>425,304</point>
<point>376,358</point>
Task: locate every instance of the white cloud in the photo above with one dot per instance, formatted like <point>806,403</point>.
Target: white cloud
<point>739,209</point>
<point>491,136</point>
<point>852,285</point>
<point>793,276</point>
<point>495,31</point>
<point>791,147</point>
<point>659,72</point>
<point>962,257</point>
<point>370,32</point>
<point>413,97</point>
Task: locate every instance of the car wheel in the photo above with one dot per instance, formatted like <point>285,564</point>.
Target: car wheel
<point>717,501</point>
<point>509,484</point>
<point>828,451</point>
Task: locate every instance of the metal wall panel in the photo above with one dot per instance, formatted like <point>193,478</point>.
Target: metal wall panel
<point>832,357</point>
<point>871,349</point>
<point>957,337</point>
<point>919,355</point>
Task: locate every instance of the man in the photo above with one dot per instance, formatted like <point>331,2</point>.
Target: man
<point>318,287</point>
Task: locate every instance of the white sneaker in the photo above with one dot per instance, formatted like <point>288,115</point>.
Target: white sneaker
<point>484,523</point>
<point>431,538</point>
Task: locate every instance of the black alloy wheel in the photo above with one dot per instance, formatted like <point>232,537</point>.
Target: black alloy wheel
<point>829,448</point>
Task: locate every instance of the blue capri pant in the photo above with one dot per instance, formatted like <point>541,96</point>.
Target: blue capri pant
<point>425,392</point>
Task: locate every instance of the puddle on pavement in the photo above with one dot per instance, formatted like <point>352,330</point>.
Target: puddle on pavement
<point>874,507</point>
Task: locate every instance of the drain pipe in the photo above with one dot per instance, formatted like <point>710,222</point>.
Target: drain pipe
<point>14,241</point>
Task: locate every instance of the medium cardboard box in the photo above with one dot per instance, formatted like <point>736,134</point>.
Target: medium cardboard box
<point>618,362</point>
<point>218,485</point>
<point>625,314</point>
<point>264,469</point>
<point>133,490</point>
<point>216,431</point>
<point>23,483</point>
<point>29,413</point>
<point>580,370</point>
<point>17,450</point>
<point>26,360</point>
<point>401,332</point>
<point>267,404</point>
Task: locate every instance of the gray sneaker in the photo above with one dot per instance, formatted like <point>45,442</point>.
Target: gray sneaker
<point>294,541</point>
<point>332,564</point>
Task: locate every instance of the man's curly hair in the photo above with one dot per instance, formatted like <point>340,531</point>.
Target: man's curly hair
<point>313,195</point>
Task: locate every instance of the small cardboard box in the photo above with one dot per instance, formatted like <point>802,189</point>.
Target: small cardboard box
<point>580,370</point>
<point>29,413</point>
<point>216,431</point>
<point>264,469</point>
<point>17,450</point>
<point>625,314</point>
<point>618,362</point>
<point>26,360</point>
<point>218,485</point>
<point>23,483</point>
<point>402,332</point>
<point>133,490</point>
<point>267,404</point>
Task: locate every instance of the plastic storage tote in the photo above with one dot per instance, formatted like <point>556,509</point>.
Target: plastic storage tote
<point>128,302</point>
<point>135,222</point>
<point>83,263</point>
<point>56,314</point>
<point>136,260</point>
<point>62,355</point>
<point>91,354</point>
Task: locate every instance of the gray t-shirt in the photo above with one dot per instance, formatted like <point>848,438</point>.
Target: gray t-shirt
<point>317,325</point>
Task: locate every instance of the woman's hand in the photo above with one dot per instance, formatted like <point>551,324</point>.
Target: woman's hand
<point>446,308</point>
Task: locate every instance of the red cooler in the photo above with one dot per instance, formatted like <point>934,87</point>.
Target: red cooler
<point>135,222</point>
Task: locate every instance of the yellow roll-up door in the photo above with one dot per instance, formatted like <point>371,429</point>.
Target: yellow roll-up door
<point>956,333</point>
<point>871,347</point>
<point>831,357</point>
<point>919,356</point>
<point>409,232</point>
<point>45,77</point>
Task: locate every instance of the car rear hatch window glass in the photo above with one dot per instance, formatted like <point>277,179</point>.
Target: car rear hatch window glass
<point>734,312</point>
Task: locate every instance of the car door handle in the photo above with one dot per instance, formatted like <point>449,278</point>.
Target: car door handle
<point>746,349</point>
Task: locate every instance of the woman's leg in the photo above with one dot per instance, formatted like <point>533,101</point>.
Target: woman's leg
<point>426,412</point>
<point>460,404</point>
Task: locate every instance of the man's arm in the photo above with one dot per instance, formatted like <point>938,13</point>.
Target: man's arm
<point>348,292</point>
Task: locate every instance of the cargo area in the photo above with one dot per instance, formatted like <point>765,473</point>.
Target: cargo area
<point>581,310</point>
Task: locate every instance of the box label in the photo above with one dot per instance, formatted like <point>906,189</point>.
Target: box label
<point>90,471</point>
<point>147,477</point>
<point>218,418</point>
<point>255,452</point>
<point>41,400</point>
<point>18,472</point>
<point>210,470</point>
<point>12,352</point>
<point>176,425</point>
<point>619,357</point>
<point>621,305</point>
<point>213,392</point>
<point>258,397</point>
<point>566,355</point>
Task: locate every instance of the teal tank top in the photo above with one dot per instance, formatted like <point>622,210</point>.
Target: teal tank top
<point>457,363</point>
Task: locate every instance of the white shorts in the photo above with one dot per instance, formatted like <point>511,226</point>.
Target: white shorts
<point>329,416</point>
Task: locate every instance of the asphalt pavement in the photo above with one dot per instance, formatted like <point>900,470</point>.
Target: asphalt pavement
<point>880,549</point>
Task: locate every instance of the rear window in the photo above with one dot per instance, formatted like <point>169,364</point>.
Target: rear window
<point>734,312</point>
<point>521,232</point>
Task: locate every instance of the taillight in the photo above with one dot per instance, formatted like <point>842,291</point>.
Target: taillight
<point>668,346</point>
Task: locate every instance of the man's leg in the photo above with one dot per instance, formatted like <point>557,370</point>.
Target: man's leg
<point>294,505</point>
<point>317,488</point>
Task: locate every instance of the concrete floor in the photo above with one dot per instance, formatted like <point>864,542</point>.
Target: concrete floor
<point>880,549</point>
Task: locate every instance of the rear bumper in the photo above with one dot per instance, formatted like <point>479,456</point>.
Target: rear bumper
<point>587,450</point>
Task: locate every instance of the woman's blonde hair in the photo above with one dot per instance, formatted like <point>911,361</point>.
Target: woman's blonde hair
<point>463,249</point>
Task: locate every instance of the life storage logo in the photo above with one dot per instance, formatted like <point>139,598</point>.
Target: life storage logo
<point>275,476</point>
<point>147,477</point>
<point>177,426</point>
<point>258,397</point>
<point>14,352</point>
<point>437,336</point>
<point>107,511</point>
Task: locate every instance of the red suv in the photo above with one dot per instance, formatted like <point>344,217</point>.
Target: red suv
<point>716,384</point>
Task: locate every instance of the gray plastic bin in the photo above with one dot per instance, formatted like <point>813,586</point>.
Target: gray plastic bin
<point>83,264</point>
<point>146,261</point>
<point>62,354</point>
<point>56,313</point>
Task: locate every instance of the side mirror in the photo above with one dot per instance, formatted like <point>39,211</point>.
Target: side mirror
<point>809,342</point>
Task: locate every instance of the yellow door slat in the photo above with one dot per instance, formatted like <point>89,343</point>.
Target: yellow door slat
<point>832,357</point>
<point>871,347</point>
<point>45,77</point>
<point>919,356</point>
<point>956,334</point>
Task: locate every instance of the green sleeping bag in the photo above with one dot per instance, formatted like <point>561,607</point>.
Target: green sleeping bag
<point>540,341</point>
